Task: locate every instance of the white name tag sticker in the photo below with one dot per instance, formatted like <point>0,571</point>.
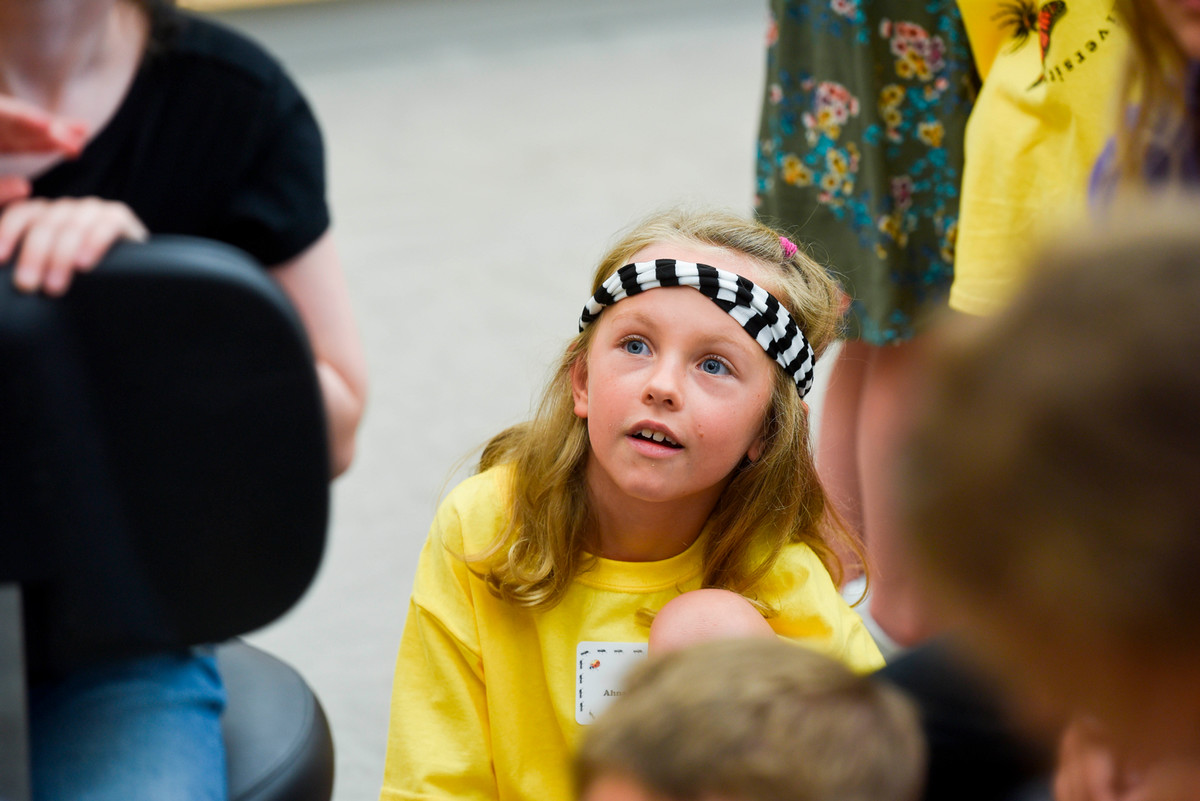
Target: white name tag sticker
<point>601,669</point>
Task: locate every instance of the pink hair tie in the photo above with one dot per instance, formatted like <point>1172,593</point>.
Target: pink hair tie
<point>789,247</point>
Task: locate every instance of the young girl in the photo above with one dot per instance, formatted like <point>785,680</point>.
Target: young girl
<point>669,453</point>
<point>1156,144</point>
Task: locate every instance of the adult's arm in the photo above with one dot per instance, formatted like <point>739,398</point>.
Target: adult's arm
<point>315,284</point>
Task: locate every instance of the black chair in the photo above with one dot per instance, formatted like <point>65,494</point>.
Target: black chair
<point>163,483</point>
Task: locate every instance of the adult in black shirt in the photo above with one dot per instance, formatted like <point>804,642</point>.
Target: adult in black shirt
<point>156,121</point>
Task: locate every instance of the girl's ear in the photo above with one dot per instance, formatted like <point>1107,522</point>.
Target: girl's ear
<point>579,391</point>
<point>756,447</point>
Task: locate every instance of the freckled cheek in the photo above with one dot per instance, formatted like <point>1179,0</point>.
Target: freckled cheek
<point>605,425</point>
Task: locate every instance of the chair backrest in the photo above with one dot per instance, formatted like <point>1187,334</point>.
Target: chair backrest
<point>164,475</point>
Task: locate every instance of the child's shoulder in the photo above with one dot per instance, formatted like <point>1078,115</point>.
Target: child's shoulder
<point>477,507</point>
<point>487,486</point>
<point>798,582</point>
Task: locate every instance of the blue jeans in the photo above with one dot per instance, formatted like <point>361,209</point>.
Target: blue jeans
<point>144,728</point>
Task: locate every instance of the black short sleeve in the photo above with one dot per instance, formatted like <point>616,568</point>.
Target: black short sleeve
<point>278,208</point>
<point>213,139</point>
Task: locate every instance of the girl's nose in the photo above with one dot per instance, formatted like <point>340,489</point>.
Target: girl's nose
<point>664,386</point>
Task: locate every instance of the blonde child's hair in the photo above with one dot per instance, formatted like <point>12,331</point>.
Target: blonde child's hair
<point>768,504</point>
<point>1154,91</point>
<point>756,720</point>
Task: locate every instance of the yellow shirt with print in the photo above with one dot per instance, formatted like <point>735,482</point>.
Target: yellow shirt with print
<point>485,693</point>
<point>1045,110</point>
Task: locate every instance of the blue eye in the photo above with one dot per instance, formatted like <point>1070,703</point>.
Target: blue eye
<point>714,366</point>
<point>635,347</point>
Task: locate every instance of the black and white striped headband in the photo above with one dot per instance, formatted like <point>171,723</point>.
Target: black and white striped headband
<point>758,311</point>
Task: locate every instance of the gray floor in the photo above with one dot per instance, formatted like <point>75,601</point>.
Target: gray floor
<point>482,153</point>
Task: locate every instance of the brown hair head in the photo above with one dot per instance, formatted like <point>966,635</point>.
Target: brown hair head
<point>756,720</point>
<point>1052,482</point>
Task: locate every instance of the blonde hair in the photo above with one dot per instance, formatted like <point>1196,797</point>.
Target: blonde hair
<point>775,501</point>
<point>1154,90</point>
<point>756,720</point>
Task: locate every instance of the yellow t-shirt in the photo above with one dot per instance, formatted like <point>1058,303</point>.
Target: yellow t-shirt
<point>1045,110</point>
<point>489,697</point>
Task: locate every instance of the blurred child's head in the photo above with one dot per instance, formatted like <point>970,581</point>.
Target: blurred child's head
<point>1053,484</point>
<point>752,720</point>
<point>777,491</point>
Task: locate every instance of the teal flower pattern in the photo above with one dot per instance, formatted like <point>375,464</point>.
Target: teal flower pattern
<point>860,149</point>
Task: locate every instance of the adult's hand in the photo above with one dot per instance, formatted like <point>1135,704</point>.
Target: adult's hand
<point>25,128</point>
<point>57,238</point>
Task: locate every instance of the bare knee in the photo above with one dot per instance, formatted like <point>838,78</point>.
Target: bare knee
<point>708,614</point>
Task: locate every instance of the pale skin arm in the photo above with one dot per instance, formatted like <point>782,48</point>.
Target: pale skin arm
<point>314,282</point>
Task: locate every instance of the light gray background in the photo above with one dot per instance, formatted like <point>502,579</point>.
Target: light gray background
<point>482,154</point>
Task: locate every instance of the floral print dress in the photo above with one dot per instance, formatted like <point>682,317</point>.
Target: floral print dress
<point>860,149</point>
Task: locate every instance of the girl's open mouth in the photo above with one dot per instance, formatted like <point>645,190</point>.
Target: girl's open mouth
<point>656,436</point>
